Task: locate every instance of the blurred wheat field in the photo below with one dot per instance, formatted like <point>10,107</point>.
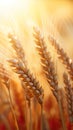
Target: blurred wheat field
<point>53,17</point>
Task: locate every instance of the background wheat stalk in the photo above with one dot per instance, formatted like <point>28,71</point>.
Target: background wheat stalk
<point>62,55</point>
<point>6,80</point>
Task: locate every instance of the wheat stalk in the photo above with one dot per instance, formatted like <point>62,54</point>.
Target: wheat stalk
<point>45,123</point>
<point>31,82</point>
<point>5,121</point>
<point>19,99</point>
<point>49,69</point>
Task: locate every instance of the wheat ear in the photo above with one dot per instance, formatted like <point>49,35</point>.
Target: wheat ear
<point>62,55</point>
<point>69,95</point>
<point>47,64</point>
<point>16,44</point>
<point>28,79</point>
